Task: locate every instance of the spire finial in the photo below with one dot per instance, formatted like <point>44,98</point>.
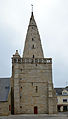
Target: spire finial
<point>32,7</point>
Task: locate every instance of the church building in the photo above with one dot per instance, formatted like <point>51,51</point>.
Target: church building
<point>32,90</point>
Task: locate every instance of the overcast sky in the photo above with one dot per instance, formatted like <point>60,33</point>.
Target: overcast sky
<point>52,20</point>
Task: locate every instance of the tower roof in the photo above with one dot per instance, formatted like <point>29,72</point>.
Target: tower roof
<point>16,54</point>
<point>33,47</point>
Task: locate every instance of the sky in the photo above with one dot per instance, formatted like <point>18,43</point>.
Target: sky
<point>52,20</point>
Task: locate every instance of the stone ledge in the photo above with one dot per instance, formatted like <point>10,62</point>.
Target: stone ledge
<point>32,60</point>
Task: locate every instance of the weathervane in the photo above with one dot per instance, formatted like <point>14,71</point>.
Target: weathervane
<point>32,7</point>
<point>66,83</point>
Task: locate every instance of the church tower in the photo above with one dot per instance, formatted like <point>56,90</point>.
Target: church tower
<point>32,89</point>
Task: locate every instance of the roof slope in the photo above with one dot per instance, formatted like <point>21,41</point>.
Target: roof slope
<point>4,88</point>
<point>59,91</point>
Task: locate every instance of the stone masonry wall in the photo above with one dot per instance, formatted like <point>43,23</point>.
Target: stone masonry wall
<point>27,78</point>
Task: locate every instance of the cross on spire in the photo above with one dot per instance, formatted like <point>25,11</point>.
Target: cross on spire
<point>32,7</point>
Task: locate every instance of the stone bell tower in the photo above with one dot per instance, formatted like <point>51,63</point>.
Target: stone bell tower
<point>31,82</point>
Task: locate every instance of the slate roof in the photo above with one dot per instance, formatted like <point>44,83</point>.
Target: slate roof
<point>59,90</point>
<point>4,88</point>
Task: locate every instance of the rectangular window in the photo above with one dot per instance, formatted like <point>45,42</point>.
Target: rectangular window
<point>20,97</point>
<point>64,100</point>
<point>36,89</point>
<point>32,39</point>
<point>64,93</point>
<point>20,106</point>
<point>33,47</point>
<point>64,108</point>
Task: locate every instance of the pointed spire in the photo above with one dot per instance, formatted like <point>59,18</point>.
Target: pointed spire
<point>33,47</point>
<point>32,20</point>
